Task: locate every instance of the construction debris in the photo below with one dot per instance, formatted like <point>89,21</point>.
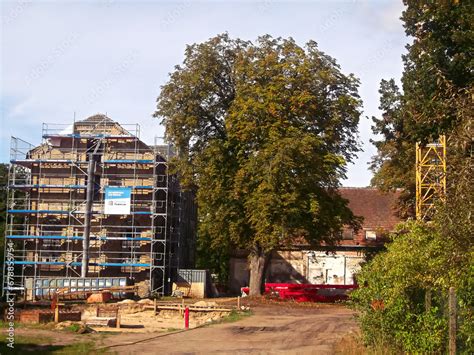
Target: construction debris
<point>99,297</point>
<point>36,316</point>
<point>102,321</point>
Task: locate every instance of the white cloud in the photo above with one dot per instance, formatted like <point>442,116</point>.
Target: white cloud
<point>21,108</point>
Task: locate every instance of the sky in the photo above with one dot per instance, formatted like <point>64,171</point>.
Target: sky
<point>66,59</point>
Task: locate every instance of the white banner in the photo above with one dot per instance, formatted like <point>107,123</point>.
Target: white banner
<point>117,200</point>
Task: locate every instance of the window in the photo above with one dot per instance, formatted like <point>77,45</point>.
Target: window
<point>347,234</point>
<point>370,235</point>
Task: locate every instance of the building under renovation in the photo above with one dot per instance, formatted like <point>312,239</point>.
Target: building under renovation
<point>94,206</point>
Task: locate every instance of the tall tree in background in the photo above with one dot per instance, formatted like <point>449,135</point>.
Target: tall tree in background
<point>437,76</point>
<point>264,133</point>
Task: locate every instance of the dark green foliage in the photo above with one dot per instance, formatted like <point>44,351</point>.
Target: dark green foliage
<point>440,55</point>
<point>437,77</point>
<point>426,257</point>
<point>264,131</point>
<point>394,165</point>
<point>419,260</point>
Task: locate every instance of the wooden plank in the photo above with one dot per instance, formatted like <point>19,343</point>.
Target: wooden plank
<point>191,308</point>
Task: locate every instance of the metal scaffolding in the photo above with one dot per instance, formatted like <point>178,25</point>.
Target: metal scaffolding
<point>54,228</point>
<point>430,177</point>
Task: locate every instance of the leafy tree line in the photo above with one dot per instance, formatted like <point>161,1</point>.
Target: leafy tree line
<point>264,131</point>
<point>402,303</point>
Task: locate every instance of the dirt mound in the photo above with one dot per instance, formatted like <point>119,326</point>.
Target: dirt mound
<point>146,301</point>
<point>132,308</point>
<point>126,302</point>
<point>205,304</point>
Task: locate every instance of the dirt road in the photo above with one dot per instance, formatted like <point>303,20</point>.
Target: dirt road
<point>272,329</point>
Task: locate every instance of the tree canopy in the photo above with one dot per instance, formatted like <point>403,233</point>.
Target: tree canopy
<point>437,91</point>
<point>264,131</point>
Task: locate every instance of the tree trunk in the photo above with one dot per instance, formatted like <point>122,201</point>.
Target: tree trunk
<point>258,266</point>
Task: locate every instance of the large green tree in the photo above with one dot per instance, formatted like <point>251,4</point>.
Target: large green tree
<point>437,77</point>
<point>264,131</point>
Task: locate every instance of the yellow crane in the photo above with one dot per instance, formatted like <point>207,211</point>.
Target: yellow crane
<point>430,177</point>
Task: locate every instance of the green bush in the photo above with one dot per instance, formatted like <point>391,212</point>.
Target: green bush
<point>402,301</point>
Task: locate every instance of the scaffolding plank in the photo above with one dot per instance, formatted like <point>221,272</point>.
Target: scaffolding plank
<point>24,262</point>
<point>45,186</point>
<point>73,237</point>
<point>42,237</point>
<point>89,136</point>
<point>73,212</point>
<point>39,211</point>
<point>129,161</point>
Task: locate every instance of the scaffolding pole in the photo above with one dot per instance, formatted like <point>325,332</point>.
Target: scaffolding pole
<point>88,214</point>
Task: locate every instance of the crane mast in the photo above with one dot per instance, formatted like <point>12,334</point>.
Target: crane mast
<point>430,177</point>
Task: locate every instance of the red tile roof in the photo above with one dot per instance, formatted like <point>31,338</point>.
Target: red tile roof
<point>376,207</point>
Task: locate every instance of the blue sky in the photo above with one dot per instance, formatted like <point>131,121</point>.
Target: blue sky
<point>64,57</point>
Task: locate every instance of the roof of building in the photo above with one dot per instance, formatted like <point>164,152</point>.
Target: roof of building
<point>376,207</point>
<point>97,118</point>
<point>100,123</point>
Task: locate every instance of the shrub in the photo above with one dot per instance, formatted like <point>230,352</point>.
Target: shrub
<point>402,301</point>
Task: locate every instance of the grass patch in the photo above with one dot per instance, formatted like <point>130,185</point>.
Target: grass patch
<point>49,326</point>
<point>80,348</point>
<point>25,344</point>
<point>6,324</point>
<point>233,316</point>
<point>44,345</point>
<point>72,328</point>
